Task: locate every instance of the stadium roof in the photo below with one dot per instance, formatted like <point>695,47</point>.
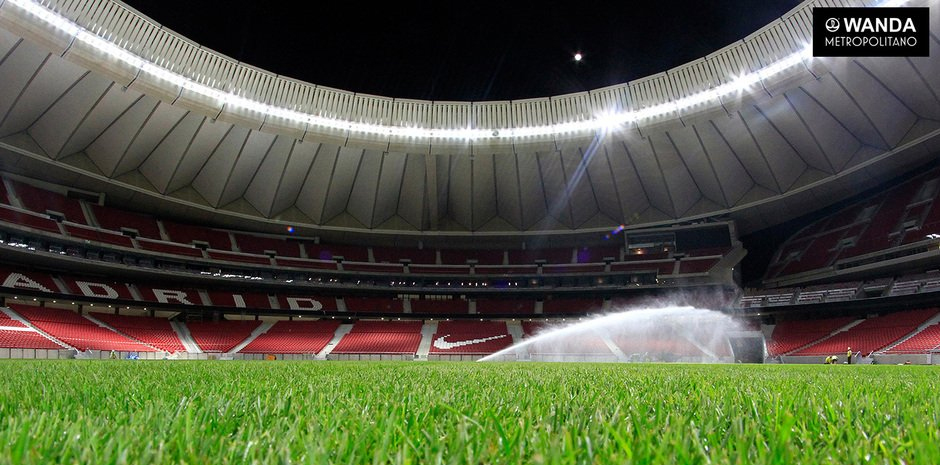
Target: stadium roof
<point>464,51</point>
<point>98,97</point>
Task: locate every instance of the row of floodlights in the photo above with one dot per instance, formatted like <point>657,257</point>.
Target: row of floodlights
<point>605,121</point>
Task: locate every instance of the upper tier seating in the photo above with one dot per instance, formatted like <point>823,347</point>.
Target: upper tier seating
<point>259,245</point>
<point>524,257</point>
<point>470,337</point>
<point>98,235</point>
<point>903,214</point>
<point>700,265</point>
<point>42,201</point>
<point>115,219</point>
<point>349,253</point>
<point>381,337</point>
<point>76,330</point>
<point>597,254</point>
<point>238,257</point>
<point>221,336</point>
<point>482,257</point>
<point>395,255</point>
<point>28,219</point>
<point>169,248</point>
<point>190,241</point>
<point>187,234</point>
<point>300,263</point>
<point>293,337</point>
<point>154,331</point>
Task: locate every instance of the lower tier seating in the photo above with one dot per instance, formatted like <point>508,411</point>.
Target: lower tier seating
<point>470,337</point>
<point>293,337</point>
<point>793,334</point>
<point>153,331</point>
<point>381,337</point>
<point>221,336</point>
<point>76,330</point>
<point>872,334</point>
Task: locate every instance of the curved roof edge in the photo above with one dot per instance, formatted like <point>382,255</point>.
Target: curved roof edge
<point>110,37</point>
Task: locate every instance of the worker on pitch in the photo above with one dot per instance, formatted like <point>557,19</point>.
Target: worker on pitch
<point>848,356</point>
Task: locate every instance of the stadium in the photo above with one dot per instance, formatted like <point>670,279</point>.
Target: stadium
<point>297,269</point>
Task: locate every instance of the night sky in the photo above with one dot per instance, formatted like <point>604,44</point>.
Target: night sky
<point>467,51</point>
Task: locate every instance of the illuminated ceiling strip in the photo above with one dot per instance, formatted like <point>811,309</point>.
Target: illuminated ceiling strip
<point>228,99</point>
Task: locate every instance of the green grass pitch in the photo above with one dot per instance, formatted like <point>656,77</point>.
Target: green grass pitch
<point>114,412</point>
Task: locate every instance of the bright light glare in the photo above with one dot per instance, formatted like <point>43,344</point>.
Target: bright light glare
<point>230,100</point>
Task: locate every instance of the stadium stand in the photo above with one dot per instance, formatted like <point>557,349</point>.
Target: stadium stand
<point>696,265</point>
<point>27,219</point>
<point>220,336</point>
<point>43,201</point>
<point>396,255</point>
<point>597,254</point>
<point>470,337</point>
<point>505,270</point>
<point>156,332</point>
<point>580,268</point>
<point>505,306</point>
<point>872,334</point>
<point>374,304</point>
<point>381,337</point>
<point>332,251</point>
<point>260,245</point>
<point>436,269</point>
<point>571,306</point>
<point>440,307</point>
<point>117,219</point>
<point>189,234</point>
<point>14,334</point>
<point>926,340</point>
<point>238,257</point>
<point>791,335</point>
<point>306,302</point>
<point>554,256</point>
<point>169,248</point>
<point>481,257</point>
<point>300,263</point>
<point>659,343</point>
<point>293,337</point>
<point>98,235</point>
<point>76,330</point>
<point>904,214</point>
<point>240,299</point>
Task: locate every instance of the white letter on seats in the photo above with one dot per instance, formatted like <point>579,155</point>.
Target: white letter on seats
<point>22,282</point>
<point>303,303</point>
<point>164,296</point>
<point>96,290</point>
